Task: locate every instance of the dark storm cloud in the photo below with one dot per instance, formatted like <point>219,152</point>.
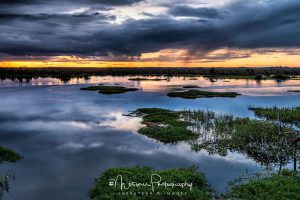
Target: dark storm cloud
<point>63,18</point>
<point>245,25</point>
<point>86,2</point>
<point>186,11</point>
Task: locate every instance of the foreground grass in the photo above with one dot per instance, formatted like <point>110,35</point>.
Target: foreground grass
<point>276,187</point>
<point>103,190</point>
<point>136,183</point>
<point>102,89</point>
<point>193,94</point>
<point>164,125</point>
<point>286,115</point>
<point>8,155</point>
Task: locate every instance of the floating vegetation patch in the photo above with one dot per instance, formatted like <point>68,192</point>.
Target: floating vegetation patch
<point>295,91</point>
<point>193,94</point>
<point>220,133</point>
<point>103,89</point>
<point>147,79</point>
<point>190,86</point>
<point>164,125</point>
<point>286,115</point>
<point>283,186</point>
<point>146,183</point>
<point>8,155</point>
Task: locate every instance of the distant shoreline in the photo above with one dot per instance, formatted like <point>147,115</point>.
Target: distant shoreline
<point>68,73</point>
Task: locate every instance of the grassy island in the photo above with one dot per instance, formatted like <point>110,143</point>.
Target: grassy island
<point>295,91</point>
<point>193,94</point>
<point>107,187</point>
<point>190,86</point>
<point>147,79</point>
<point>103,89</point>
<point>164,125</point>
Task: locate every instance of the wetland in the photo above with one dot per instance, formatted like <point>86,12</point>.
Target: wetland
<point>59,138</point>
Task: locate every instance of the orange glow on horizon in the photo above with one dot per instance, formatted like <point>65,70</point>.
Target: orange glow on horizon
<point>171,58</point>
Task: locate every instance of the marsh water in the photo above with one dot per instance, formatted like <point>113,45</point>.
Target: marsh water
<point>68,136</point>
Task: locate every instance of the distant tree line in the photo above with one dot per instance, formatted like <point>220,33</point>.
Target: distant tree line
<point>65,74</point>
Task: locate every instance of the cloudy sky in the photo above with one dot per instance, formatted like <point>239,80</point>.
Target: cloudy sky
<point>208,33</point>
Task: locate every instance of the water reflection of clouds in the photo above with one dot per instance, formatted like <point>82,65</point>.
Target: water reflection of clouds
<point>66,144</point>
<point>70,145</point>
<point>45,126</point>
<point>118,121</point>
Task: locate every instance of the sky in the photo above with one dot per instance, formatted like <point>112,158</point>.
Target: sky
<point>149,33</point>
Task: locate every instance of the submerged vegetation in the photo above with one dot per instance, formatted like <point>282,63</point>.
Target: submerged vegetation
<point>108,185</point>
<point>193,94</point>
<point>164,125</point>
<point>283,186</point>
<point>103,89</point>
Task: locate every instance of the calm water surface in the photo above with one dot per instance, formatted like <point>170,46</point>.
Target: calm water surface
<point>68,136</point>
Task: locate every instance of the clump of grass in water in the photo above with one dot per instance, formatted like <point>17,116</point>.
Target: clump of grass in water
<point>193,94</point>
<point>8,155</point>
<point>164,125</point>
<point>103,89</point>
<point>200,187</point>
